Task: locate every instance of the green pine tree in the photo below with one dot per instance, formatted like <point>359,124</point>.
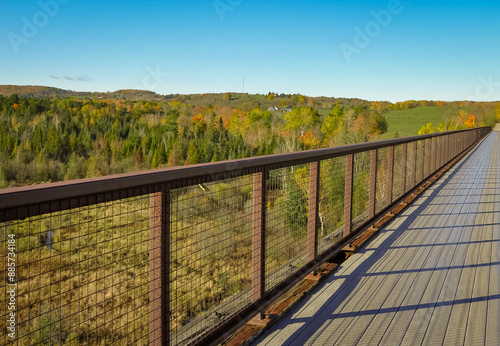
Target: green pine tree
<point>295,207</point>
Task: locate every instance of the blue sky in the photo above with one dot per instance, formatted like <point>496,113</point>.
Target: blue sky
<point>376,50</point>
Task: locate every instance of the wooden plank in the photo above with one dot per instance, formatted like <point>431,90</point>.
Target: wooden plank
<point>380,327</point>
<point>492,335</point>
<point>493,316</point>
<point>476,324</point>
<point>457,325</point>
<point>388,293</point>
<point>433,320</point>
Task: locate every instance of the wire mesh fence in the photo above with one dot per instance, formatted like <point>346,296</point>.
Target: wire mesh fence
<point>361,176</point>
<point>81,274</point>
<point>331,203</point>
<point>411,166</point>
<point>210,254</point>
<point>383,185</point>
<point>194,254</point>
<point>287,220</point>
<point>420,169</point>
<point>399,173</point>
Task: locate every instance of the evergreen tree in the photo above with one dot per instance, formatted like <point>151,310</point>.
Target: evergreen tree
<point>193,155</point>
<point>215,157</point>
<point>295,206</point>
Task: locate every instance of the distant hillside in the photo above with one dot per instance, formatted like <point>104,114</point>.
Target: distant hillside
<point>50,92</point>
<point>242,101</point>
<point>247,102</point>
<point>35,91</point>
<point>401,122</point>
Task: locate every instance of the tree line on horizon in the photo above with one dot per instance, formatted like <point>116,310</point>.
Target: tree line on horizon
<point>47,140</point>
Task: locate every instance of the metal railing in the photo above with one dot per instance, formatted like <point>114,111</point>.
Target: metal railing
<point>186,255</point>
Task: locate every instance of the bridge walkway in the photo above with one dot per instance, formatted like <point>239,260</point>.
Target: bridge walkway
<point>431,277</point>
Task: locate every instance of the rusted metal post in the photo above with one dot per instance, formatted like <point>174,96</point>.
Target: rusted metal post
<point>373,184</point>
<point>452,147</point>
<point>449,145</point>
<point>422,158</point>
<point>258,238</point>
<point>390,175</point>
<point>432,147</point>
<point>312,223</point>
<point>439,152</point>
<point>159,267</point>
<point>414,166</point>
<point>436,153</point>
<point>404,162</point>
<point>349,171</point>
<point>418,165</point>
<point>429,157</point>
<point>433,155</point>
<point>443,150</point>
<point>446,149</point>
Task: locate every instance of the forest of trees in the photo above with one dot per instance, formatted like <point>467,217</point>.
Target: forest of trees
<point>53,139</point>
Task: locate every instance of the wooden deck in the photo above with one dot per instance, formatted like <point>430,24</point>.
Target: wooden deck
<point>431,277</point>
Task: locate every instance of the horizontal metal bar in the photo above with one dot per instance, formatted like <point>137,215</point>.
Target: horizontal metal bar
<point>46,193</point>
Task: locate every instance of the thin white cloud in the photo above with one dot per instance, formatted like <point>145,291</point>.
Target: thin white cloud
<point>83,78</point>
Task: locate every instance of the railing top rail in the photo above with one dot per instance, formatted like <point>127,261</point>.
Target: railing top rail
<point>45,193</point>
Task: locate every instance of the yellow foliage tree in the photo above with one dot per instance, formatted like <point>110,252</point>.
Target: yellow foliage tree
<point>429,128</point>
<point>471,121</point>
<point>308,139</point>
